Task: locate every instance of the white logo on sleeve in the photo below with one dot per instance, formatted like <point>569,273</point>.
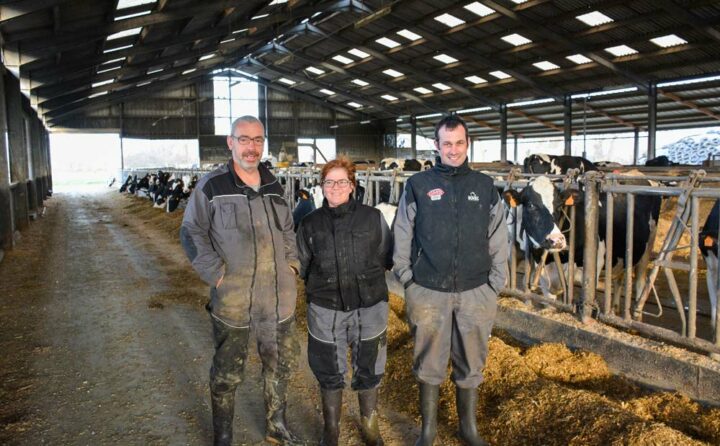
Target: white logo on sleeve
<point>473,197</point>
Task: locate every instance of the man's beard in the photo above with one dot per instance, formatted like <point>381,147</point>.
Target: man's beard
<point>249,165</point>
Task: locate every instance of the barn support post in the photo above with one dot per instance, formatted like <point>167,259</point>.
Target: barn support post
<point>629,225</point>
<point>503,132</point>
<point>515,149</point>
<point>693,275</point>
<point>567,127</point>
<point>652,120</point>
<point>413,136</point>
<point>570,296</point>
<point>636,146</point>
<point>6,205</point>
<point>609,212</point>
<point>587,301</point>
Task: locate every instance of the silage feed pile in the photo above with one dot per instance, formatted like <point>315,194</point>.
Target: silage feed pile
<point>549,395</point>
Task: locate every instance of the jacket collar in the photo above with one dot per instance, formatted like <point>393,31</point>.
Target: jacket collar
<point>341,210</point>
<point>444,170</point>
<point>266,177</point>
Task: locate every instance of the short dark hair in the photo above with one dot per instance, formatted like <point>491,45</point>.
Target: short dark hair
<point>450,122</point>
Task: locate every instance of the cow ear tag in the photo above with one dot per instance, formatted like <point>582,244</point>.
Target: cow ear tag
<point>708,242</point>
<point>570,201</point>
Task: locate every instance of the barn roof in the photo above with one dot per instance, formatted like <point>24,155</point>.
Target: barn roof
<point>386,58</point>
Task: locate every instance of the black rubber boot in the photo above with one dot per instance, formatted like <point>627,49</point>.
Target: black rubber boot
<point>428,409</point>
<point>332,408</point>
<point>223,410</point>
<point>369,417</point>
<point>466,400</point>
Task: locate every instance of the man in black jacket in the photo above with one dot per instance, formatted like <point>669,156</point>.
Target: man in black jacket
<point>450,254</point>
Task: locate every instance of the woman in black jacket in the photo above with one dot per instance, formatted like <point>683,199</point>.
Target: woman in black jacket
<point>344,249</point>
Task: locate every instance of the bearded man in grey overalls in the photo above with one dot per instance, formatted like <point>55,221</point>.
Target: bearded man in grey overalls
<point>450,254</point>
<point>238,233</point>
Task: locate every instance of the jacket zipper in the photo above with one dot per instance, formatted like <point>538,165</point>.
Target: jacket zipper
<point>457,237</point>
<point>254,237</point>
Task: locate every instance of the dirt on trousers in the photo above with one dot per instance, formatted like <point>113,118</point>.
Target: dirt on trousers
<point>105,341</point>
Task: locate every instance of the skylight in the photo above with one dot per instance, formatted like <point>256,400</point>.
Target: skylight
<point>286,81</point>
<point>393,73</point>
<point>389,97</point>
<point>110,50</point>
<point>594,18</point>
<point>444,58</point>
<point>579,59</point>
<point>189,71</point>
<point>154,71</point>
<point>126,33</point>
<point>516,39</point>
<point>621,50</point>
<point>94,95</point>
<point>431,115</point>
<point>360,82</point>
<point>500,74</point>
<point>409,35</point>
<point>342,59</point>
<point>604,92</point>
<point>107,70</point>
<point>479,9</point>
<point>129,16</point>
<point>668,41</point>
<point>277,2</point>
<point>475,79</point>
<point>315,70</point>
<point>113,60</point>
<point>354,104</point>
<point>142,84</point>
<point>440,86</point>
<point>260,16</point>
<point>546,65</point>
<point>422,90</point>
<point>227,40</point>
<point>390,43</point>
<point>449,20</point>
<point>122,4</point>
<point>358,53</point>
<point>101,83</point>
<point>327,92</point>
<point>519,2</point>
<point>207,56</point>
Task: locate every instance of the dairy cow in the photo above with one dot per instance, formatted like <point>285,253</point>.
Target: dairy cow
<point>709,248</point>
<point>556,164</point>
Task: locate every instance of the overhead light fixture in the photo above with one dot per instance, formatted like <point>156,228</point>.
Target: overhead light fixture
<point>106,70</point>
<point>315,70</point>
<point>594,18</point>
<point>360,82</point>
<point>101,83</point>
<point>500,74</point>
<point>358,53</point>
<point>530,102</point>
<point>354,104</point>
<point>516,39</point>
<point>579,59</point>
<point>621,50</point>
<point>260,16</point>
<point>444,58</point>
<point>123,4</point>
<point>155,71</point>
<point>479,9</point>
<point>422,90</point>
<point>130,16</point>
<point>95,95</point>
<point>473,110</point>
<point>475,79</point>
<point>189,71</point>
<point>342,59</point>
<point>431,115</point>
<point>206,57</point>
<point>546,65</point>
<point>390,43</point>
<point>286,81</point>
<point>688,81</point>
<point>142,84</point>
<point>409,35</point>
<point>227,41</point>
<point>449,20</point>
<point>604,92</point>
<point>113,60</point>
<point>334,126</point>
<point>393,73</point>
<point>327,92</point>
<point>668,41</point>
<point>126,33</point>
<point>389,97</point>
<point>440,86</point>
<point>367,121</point>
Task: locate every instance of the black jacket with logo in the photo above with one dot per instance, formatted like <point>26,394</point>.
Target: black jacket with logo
<point>446,222</point>
<point>344,252</point>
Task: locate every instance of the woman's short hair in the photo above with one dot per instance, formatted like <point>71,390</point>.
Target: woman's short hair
<point>342,163</point>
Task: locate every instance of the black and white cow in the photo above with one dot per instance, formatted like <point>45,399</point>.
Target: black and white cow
<point>556,164</point>
<point>660,161</point>
<point>607,164</point>
<point>539,207</point>
<point>709,248</point>
<point>406,165</point>
<point>126,184</point>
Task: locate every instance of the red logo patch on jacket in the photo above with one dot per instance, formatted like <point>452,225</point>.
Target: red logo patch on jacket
<point>436,194</point>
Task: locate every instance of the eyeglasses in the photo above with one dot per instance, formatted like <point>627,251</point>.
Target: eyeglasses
<point>339,183</point>
<point>246,140</point>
